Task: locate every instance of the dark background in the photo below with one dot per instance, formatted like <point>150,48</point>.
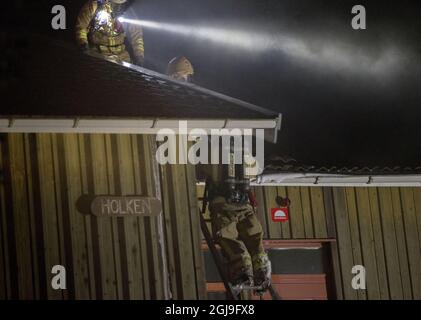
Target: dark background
<point>334,114</point>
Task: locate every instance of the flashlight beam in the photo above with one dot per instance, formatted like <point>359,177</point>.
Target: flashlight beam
<point>323,53</point>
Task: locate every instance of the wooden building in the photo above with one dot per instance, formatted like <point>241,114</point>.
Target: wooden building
<point>75,127</point>
<point>376,227</point>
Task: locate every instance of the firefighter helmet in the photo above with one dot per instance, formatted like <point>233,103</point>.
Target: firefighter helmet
<point>180,68</point>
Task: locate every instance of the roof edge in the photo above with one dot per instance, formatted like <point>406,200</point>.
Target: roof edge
<point>332,180</point>
<point>188,85</point>
<point>132,125</point>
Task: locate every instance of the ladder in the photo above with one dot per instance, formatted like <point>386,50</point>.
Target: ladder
<point>234,292</point>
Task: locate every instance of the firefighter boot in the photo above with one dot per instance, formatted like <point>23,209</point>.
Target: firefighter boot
<point>262,272</point>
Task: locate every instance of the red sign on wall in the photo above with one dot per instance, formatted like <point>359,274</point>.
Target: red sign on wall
<point>280,214</point>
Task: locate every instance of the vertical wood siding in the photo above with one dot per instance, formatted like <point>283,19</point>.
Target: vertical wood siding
<point>379,228</point>
<point>43,177</point>
<point>307,212</point>
<point>186,264</point>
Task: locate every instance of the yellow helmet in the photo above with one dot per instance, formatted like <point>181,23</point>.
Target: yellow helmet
<point>119,6</point>
<point>180,68</point>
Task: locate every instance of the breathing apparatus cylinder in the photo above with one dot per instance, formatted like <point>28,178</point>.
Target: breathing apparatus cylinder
<point>237,182</point>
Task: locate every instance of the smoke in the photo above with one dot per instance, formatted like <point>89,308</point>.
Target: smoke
<point>332,54</point>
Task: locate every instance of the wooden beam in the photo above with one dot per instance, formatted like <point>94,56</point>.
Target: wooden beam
<point>401,243</point>
<point>77,232</point>
<point>296,213</point>
<point>344,242</point>
<point>333,246</point>
<point>21,215</point>
<point>102,226</point>
<point>307,212</point>
<point>389,239</point>
<point>412,243</point>
<point>367,243</point>
<point>319,217</point>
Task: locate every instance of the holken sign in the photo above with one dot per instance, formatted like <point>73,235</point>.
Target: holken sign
<point>111,206</point>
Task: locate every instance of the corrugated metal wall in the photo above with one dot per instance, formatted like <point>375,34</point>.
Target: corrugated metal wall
<point>44,176</point>
<point>379,228</point>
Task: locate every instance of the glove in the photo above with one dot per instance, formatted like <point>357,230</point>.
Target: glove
<point>84,47</point>
<point>252,199</point>
<point>283,202</point>
<point>138,61</point>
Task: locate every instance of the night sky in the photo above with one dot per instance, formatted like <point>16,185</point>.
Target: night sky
<point>347,97</point>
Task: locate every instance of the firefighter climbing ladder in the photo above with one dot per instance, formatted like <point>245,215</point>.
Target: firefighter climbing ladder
<point>234,292</point>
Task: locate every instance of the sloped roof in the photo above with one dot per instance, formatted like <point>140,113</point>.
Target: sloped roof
<point>54,79</point>
<point>284,164</point>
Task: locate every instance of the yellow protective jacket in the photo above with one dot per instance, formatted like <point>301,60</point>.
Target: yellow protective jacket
<point>109,44</point>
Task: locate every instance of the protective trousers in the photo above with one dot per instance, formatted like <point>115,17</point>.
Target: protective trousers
<point>239,233</point>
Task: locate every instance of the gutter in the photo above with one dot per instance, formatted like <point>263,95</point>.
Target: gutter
<point>132,126</point>
<point>331,180</point>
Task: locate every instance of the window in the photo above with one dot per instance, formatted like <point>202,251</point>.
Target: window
<point>300,270</point>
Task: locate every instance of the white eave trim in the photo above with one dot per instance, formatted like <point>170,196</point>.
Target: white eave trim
<point>125,125</point>
<point>329,180</point>
<point>132,126</point>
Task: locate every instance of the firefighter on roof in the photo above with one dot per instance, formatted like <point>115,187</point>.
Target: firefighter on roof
<point>98,29</point>
<point>180,68</point>
<point>235,226</point>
